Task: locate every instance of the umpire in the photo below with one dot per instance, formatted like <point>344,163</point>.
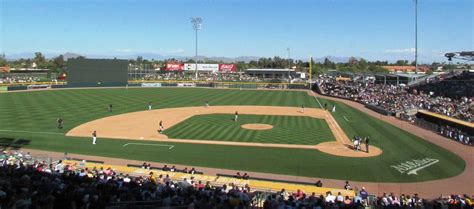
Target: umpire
<point>367,144</point>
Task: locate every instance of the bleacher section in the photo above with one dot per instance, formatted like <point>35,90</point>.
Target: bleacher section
<point>257,185</point>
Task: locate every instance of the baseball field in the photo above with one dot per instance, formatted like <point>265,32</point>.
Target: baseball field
<point>271,135</point>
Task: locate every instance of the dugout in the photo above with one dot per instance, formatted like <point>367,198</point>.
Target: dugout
<point>96,72</point>
<point>430,120</point>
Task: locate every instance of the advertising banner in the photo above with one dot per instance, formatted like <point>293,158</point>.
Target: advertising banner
<point>202,67</point>
<point>151,85</point>
<point>174,66</point>
<point>186,85</point>
<point>227,68</point>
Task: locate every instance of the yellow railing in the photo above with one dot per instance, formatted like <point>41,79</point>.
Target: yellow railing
<point>263,185</point>
<point>446,118</point>
<point>33,83</point>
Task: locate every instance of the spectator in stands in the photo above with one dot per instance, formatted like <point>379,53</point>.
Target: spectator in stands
<point>330,198</point>
<point>363,194</point>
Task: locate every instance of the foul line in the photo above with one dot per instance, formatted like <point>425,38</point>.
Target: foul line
<point>31,132</point>
<point>318,102</point>
<point>345,118</point>
<point>143,144</point>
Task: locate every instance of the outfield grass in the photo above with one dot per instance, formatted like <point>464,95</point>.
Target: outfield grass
<point>221,127</point>
<point>36,111</point>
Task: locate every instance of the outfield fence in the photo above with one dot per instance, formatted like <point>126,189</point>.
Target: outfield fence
<point>157,84</point>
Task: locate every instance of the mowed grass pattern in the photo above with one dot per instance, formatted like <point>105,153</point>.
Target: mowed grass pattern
<point>37,111</point>
<point>221,127</point>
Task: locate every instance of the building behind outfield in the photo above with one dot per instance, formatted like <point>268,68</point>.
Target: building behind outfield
<point>271,73</point>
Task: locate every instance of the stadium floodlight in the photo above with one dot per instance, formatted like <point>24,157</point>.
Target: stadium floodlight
<point>416,36</point>
<point>289,65</point>
<point>197,22</point>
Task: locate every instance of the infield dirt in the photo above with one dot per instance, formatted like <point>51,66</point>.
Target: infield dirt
<point>144,125</point>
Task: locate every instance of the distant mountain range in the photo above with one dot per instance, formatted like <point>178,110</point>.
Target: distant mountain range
<point>153,56</point>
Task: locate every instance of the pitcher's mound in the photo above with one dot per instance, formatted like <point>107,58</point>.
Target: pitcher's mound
<point>257,126</point>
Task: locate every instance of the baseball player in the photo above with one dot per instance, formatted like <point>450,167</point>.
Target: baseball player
<point>302,108</point>
<point>94,137</point>
<point>356,144</point>
<point>149,105</point>
<point>207,104</point>
<point>60,123</point>
<point>110,107</point>
<point>161,127</point>
<point>236,116</point>
<point>367,144</point>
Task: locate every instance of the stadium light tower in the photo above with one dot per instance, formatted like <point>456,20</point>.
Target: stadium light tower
<point>416,36</point>
<point>289,65</point>
<point>197,22</point>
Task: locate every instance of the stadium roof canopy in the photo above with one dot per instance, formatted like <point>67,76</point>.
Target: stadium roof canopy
<point>269,70</point>
<point>409,75</point>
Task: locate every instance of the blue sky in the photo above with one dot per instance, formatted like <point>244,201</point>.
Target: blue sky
<point>373,29</point>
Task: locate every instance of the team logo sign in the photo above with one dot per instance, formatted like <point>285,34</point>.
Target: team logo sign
<point>412,167</point>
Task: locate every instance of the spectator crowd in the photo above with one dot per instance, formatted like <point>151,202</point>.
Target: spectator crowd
<point>453,98</point>
<point>18,79</point>
<point>28,183</point>
<point>182,76</point>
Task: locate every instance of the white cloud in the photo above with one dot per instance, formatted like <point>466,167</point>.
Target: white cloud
<point>175,51</point>
<point>169,52</point>
<point>123,50</point>
<point>401,51</point>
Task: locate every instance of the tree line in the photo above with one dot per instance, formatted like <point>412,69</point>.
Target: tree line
<point>55,64</point>
<point>352,65</point>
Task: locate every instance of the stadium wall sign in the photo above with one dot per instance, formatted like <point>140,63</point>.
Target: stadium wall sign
<point>201,67</point>
<point>411,167</point>
<point>227,68</point>
<point>174,67</point>
<point>151,84</point>
<point>38,86</point>
<point>186,85</point>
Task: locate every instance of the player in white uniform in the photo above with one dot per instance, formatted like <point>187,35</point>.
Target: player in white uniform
<point>94,137</point>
